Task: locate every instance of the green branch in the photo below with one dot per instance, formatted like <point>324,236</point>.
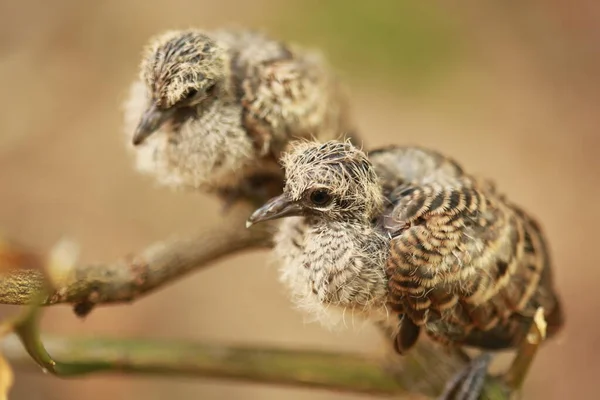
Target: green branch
<point>420,373</point>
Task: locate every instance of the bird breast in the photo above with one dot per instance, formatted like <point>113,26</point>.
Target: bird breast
<point>328,271</point>
<point>201,151</point>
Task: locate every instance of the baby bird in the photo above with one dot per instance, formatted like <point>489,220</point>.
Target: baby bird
<point>332,254</point>
<point>407,232</point>
<point>214,110</point>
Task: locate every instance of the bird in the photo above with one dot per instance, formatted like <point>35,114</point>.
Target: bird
<point>212,111</point>
<point>407,239</point>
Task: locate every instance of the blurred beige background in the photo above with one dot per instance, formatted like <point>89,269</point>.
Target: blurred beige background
<point>512,92</point>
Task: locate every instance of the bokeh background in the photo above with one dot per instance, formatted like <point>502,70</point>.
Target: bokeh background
<point>508,88</point>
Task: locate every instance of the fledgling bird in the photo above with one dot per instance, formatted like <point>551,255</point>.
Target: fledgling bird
<point>406,238</point>
<point>214,110</point>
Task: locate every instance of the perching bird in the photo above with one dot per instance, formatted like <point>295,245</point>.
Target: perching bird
<point>213,110</point>
<point>408,239</point>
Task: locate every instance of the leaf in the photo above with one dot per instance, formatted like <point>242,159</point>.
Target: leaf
<point>6,378</point>
<point>14,257</point>
<point>6,373</point>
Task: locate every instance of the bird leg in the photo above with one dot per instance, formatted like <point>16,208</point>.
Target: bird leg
<point>407,335</point>
<point>467,384</point>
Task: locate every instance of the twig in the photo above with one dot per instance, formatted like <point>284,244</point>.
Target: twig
<point>312,369</point>
<point>86,285</point>
<point>420,373</point>
<point>516,374</point>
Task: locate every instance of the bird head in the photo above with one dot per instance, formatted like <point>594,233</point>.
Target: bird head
<point>332,181</point>
<point>181,69</point>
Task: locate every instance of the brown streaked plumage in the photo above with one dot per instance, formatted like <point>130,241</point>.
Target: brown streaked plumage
<point>213,110</point>
<point>459,261</point>
<point>468,267</point>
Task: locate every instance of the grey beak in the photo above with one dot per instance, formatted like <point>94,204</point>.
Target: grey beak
<point>278,207</point>
<point>152,119</point>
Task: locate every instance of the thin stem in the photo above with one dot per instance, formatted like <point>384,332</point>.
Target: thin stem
<point>515,376</point>
<point>300,368</point>
<point>87,285</point>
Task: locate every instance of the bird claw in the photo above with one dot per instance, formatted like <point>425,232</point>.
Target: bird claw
<point>467,384</point>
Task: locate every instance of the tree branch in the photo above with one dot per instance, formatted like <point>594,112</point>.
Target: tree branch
<point>85,285</point>
<point>423,372</point>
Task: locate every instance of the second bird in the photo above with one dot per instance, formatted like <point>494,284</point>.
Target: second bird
<point>213,110</point>
<point>407,239</point>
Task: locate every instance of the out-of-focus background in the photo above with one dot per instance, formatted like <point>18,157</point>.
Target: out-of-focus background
<point>510,90</point>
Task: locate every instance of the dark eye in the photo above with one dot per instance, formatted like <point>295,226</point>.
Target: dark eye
<point>320,197</point>
<point>190,94</point>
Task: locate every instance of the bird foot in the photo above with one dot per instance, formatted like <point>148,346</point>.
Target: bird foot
<point>467,384</point>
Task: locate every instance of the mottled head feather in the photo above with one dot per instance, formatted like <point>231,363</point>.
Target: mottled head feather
<point>177,62</point>
<point>340,168</point>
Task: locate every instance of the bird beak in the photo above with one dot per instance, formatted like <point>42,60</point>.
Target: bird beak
<point>152,119</point>
<point>278,207</point>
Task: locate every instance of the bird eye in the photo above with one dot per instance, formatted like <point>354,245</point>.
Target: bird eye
<point>320,197</point>
<point>190,94</point>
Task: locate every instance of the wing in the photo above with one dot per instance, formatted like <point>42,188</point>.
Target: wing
<point>292,96</point>
<point>466,265</point>
<point>402,166</point>
<point>424,224</point>
<point>398,165</point>
<point>530,287</point>
<point>428,252</point>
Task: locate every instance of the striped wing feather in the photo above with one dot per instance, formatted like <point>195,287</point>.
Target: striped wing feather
<point>293,96</point>
<point>466,266</point>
